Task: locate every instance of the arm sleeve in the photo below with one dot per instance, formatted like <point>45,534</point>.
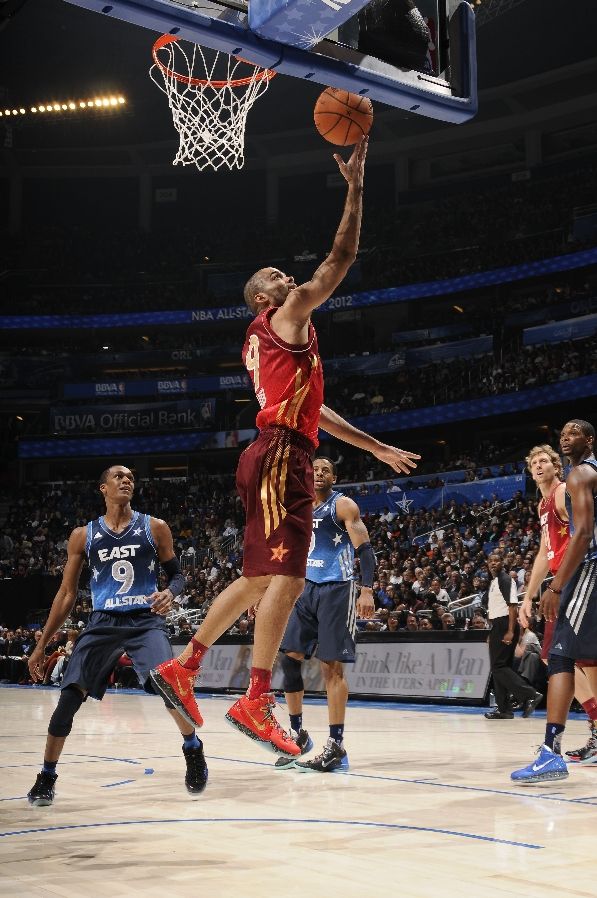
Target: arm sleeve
<point>175,576</point>
<point>366,557</point>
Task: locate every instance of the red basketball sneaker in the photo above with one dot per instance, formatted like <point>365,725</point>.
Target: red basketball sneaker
<point>255,718</point>
<point>175,683</point>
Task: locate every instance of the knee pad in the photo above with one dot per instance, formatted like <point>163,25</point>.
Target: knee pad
<point>293,680</point>
<point>557,665</point>
<point>61,721</point>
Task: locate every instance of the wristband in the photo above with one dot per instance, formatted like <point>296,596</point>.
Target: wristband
<point>556,592</point>
<point>366,557</point>
<point>175,578</point>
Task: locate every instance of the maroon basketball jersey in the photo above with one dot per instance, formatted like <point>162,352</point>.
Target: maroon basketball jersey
<point>288,379</point>
<point>556,533</point>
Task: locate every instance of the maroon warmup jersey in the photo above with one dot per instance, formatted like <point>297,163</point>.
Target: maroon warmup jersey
<point>556,536</point>
<point>555,531</point>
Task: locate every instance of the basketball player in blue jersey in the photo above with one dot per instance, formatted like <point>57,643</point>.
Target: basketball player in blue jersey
<point>323,621</point>
<point>570,600</point>
<point>124,550</point>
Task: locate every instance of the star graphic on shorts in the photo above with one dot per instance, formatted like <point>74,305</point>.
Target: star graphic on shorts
<point>137,532</point>
<point>563,531</point>
<point>151,565</point>
<point>337,539</point>
<point>279,552</point>
<point>95,573</point>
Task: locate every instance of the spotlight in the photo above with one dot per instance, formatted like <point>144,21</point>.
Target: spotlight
<point>22,111</point>
<point>98,102</point>
<point>15,112</point>
<point>121,100</point>
<point>42,108</point>
<point>71,106</point>
<point>82,104</point>
<point>34,109</point>
<point>56,107</point>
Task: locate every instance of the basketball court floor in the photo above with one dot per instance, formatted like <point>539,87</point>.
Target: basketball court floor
<point>426,809</point>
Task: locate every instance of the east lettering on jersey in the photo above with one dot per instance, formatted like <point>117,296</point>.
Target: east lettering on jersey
<point>124,566</point>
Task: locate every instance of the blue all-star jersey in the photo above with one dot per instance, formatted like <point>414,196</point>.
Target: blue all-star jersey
<point>124,566</point>
<point>331,554</point>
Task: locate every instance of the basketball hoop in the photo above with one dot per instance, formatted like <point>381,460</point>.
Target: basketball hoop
<point>209,113</point>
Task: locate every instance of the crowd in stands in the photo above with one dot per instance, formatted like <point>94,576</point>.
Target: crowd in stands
<point>436,237</point>
<point>432,564</point>
<point>461,379</point>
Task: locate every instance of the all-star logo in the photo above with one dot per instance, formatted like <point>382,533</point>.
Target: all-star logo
<point>404,504</point>
<point>279,553</point>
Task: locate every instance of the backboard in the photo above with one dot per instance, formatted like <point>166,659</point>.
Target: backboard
<point>300,38</point>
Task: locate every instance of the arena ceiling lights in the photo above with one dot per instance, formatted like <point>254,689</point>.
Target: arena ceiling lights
<point>96,104</point>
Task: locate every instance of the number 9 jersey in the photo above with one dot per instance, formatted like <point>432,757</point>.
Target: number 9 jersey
<point>287,378</point>
<point>124,566</point>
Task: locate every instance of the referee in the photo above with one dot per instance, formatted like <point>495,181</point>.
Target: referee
<point>504,634</point>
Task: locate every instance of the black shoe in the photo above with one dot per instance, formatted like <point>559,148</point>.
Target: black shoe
<point>43,791</point>
<point>332,758</point>
<point>196,776</point>
<point>530,704</point>
<point>496,714</point>
<point>304,742</point>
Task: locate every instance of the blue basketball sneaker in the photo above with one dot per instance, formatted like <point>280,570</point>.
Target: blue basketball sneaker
<point>546,767</point>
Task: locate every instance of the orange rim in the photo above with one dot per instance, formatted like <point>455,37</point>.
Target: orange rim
<point>263,75</point>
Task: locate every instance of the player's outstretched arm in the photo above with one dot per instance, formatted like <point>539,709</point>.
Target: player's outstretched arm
<point>400,460</point>
<point>302,300</point>
<point>348,512</point>
<point>64,600</point>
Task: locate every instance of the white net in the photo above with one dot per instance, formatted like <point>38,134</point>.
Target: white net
<point>209,112</point>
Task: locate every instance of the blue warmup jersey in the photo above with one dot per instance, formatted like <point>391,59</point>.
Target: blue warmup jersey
<point>592,550</point>
<point>124,566</point>
<point>331,554</point>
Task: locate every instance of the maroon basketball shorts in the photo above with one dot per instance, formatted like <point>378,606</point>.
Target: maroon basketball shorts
<point>274,479</point>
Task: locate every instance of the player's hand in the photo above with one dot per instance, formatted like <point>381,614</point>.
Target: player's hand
<point>161,602</point>
<point>525,612</point>
<point>400,460</point>
<point>35,663</point>
<point>508,637</point>
<point>354,169</point>
<point>549,605</point>
<point>365,603</point>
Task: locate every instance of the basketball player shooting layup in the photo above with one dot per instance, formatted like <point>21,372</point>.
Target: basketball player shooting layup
<point>275,474</point>
<point>124,550</point>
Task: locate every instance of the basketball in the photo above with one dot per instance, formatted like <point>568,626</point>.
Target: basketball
<point>342,118</point>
